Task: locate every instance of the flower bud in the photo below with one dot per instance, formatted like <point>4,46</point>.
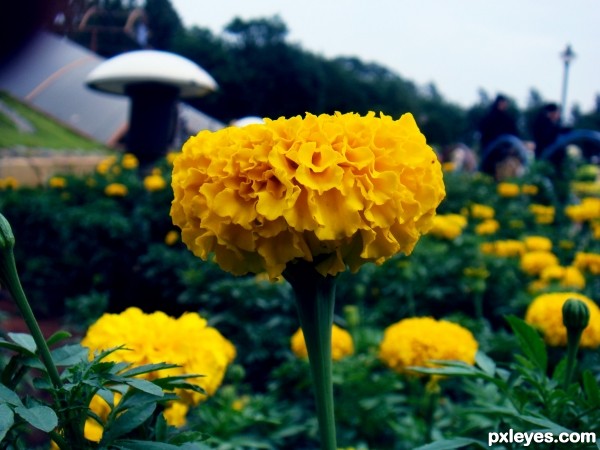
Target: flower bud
<point>7,238</point>
<point>576,315</point>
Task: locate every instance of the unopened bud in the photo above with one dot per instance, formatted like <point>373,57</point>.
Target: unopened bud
<point>576,315</point>
<point>7,238</point>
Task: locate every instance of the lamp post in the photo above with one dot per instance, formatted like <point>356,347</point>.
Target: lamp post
<point>566,56</point>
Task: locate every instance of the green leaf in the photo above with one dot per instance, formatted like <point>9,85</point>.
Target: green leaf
<point>130,444</point>
<point>9,396</point>
<point>545,423</point>
<point>530,342</point>
<point>486,363</point>
<point>60,335</point>
<point>69,355</point>
<point>15,348</point>
<point>145,386</point>
<point>591,389</point>
<point>127,421</point>
<point>39,416</point>
<point>147,369</point>
<point>449,444</point>
<point>7,419</point>
<point>188,436</point>
<point>24,340</point>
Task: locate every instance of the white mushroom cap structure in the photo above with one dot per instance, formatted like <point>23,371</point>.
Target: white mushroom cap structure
<point>151,66</point>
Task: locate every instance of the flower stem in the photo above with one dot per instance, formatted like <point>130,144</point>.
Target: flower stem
<point>573,339</point>
<point>9,279</point>
<point>315,299</point>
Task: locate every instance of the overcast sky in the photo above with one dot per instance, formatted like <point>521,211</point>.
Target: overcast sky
<point>504,46</point>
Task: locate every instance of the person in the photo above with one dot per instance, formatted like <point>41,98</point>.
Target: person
<point>495,123</point>
<point>545,130</point>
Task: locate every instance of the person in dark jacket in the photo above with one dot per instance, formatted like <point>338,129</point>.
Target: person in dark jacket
<point>496,122</point>
<point>545,130</point>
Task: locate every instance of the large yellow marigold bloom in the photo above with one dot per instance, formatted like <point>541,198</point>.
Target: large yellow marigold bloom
<point>545,313</point>
<point>342,344</point>
<point>153,338</point>
<point>415,342</point>
<point>448,226</point>
<point>534,262</point>
<point>341,189</point>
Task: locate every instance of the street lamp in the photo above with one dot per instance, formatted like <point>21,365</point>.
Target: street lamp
<point>566,56</point>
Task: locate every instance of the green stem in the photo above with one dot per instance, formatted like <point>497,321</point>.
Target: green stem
<point>573,339</point>
<point>315,299</point>
<point>9,279</point>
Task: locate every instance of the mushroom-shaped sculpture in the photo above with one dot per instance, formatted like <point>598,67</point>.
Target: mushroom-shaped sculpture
<point>154,80</point>
<point>247,120</point>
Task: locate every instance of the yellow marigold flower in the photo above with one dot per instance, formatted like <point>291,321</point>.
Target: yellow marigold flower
<point>572,278</point>
<point>57,182</point>
<point>595,229</point>
<point>529,189</point>
<point>588,209</point>
<point>341,344</point>
<point>508,189</point>
<point>9,183</point>
<point>152,338</point>
<point>534,262</point>
<point>533,243</point>
<point>552,273</point>
<point>240,403</point>
<point>129,161</point>
<point>504,248</point>
<point>171,157</point>
<point>104,166</point>
<point>417,341</point>
<point>585,188</point>
<point>479,211</point>
<point>448,166</point>
<point>488,226</point>
<point>588,261</point>
<point>154,183</point>
<point>171,238</point>
<point>543,214</point>
<point>545,313</point>
<point>343,189</point>
<point>448,226</point>
<point>175,414</point>
<point>116,190</point>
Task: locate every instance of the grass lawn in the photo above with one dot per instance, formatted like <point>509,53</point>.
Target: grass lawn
<point>48,132</point>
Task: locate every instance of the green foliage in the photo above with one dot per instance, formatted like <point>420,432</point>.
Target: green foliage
<point>47,133</point>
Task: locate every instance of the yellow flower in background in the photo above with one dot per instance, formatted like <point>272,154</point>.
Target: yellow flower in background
<point>585,188</point>
<point>171,157</point>
<point>448,226</point>
<point>154,183</point>
<point>543,214</point>
<point>529,189</point>
<point>172,237</point>
<point>504,248</point>
<point>57,182</point>
<point>340,190</point>
<point>9,183</point>
<point>129,161</point>
<point>175,414</point>
<point>568,277</point>
<point>508,189</point>
<point>589,262</point>
<point>533,243</point>
<point>545,314</point>
<point>415,342</point>
<point>116,190</point>
<point>479,211</point>
<point>342,344</point>
<point>152,338</point>
<point>534,262</point>
<point>104,166</point>
<point>448,166</point>
<point>488,226</point>
<point>595,229</point>
<point>588,209</point>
